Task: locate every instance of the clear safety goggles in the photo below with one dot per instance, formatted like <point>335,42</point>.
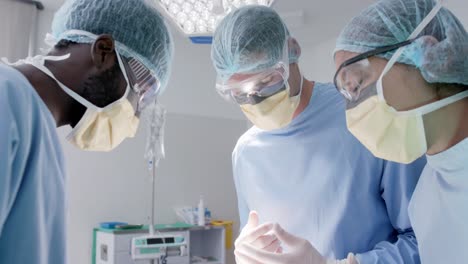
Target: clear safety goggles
<point>255,88</point>
<point>142,81</point>
<point>258,86</point>
<point>356,74</point>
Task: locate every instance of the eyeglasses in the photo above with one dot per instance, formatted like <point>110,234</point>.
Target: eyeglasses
<point>259,86</point>
<point>256,88</point>
<point>348,78</point>
<point>142,81</point>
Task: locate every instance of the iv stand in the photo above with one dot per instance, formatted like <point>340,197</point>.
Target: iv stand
<point>153,177</point>
<point>154,152</point>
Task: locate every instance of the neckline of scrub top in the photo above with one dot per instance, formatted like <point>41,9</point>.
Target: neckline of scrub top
<point>34,93</point>
<point>453,159</point>
<point>299,118</point>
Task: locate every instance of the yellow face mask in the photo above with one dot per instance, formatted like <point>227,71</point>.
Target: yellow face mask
<point>274,112</point>
<point>385,133</point>
<point>390,134</point>
<point>105,130</point>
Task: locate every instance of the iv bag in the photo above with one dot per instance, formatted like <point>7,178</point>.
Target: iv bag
<point>155,115</point>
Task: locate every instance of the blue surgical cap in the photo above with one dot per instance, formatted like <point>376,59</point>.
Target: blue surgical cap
<point>139,30</point>
<point>440,53</point>
<point>249,40</point>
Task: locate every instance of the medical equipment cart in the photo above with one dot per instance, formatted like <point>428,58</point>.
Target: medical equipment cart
<point>203,244</point>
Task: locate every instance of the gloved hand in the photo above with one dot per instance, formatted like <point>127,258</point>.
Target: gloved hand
<point>300,252</point>
<point>257,236</point>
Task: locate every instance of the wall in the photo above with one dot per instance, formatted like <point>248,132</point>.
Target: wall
<point>317,61</point>
<point>15,25</point>
<point>460,9</point>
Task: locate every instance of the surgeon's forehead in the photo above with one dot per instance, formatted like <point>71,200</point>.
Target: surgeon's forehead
<point>266,74</point>
<point>238,77</point>
<point>342,56</point>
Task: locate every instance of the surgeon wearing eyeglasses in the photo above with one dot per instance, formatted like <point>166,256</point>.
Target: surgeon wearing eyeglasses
<point>316,194</point>
<point>110,61</point>
<point>402,66</point>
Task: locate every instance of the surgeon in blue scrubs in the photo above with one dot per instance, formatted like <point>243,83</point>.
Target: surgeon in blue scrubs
<point>88,81</point>
<point>319,195</point>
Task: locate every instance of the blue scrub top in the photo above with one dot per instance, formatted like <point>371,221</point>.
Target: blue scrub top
<point>318,182</point>
<point>32,176</point>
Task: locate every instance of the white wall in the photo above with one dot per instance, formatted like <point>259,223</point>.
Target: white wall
<point>460,9</point>
<point>15,25</point>
<point>317,61</point>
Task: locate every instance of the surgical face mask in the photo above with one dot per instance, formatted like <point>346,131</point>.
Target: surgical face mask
<point>275,111</point>
<point>390,134</point>
<point>100,129</point>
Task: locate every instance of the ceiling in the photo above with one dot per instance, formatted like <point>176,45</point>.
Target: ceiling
<point>313,22</point>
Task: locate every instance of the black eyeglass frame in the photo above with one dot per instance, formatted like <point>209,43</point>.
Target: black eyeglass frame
<point>369,54</point>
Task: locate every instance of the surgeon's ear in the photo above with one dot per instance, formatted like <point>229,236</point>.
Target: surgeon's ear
<point>102,52</point>
<point>294,47</point>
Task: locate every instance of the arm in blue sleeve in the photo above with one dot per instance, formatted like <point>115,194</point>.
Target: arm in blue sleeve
<point>397,186</point>
<point>243,210</point>
<point>9,140</point>
<point>241,203</point>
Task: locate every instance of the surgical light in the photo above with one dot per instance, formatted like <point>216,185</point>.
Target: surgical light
<point>198,18</point>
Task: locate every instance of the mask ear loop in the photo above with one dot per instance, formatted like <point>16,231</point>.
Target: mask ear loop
<point>286,52</point>
<point>286,65</point>
<point>398,53</point>
<point>70,92</point>
<point>300,85</point>
<point>426,109</point>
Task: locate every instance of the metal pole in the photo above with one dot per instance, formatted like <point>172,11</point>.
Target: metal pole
<point>152,197</point>
<point>153,177</point>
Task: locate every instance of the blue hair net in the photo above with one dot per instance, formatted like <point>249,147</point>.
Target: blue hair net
<point>440,53</point>
<point>137,27</point>
<point>249,40</point>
